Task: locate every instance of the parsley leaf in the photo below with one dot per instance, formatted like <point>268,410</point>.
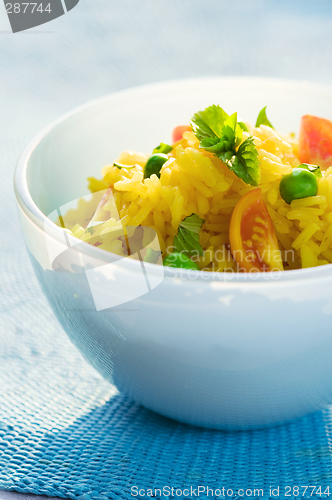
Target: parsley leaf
<point>262,119</point>
<point>314,169</point>
<point>199,124</point>
<point>162,148</point>
<point>243,126</point>
<point>187,239</point>
<point>246,164</point>
<point>221,134</point>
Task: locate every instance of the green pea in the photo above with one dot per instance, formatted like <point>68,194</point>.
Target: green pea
<point>154,164</point>
<point>299,184</point>
<point>181,260</point>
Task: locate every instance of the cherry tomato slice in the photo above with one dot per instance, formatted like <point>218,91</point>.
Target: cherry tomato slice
<point>253,241</point>
<point>179,131</point>
<point>315,141</point>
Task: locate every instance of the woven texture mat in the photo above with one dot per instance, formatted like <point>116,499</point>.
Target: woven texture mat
<point>63,430</point>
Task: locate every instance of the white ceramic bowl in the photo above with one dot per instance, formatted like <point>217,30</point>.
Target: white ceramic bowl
<point>227,351</point>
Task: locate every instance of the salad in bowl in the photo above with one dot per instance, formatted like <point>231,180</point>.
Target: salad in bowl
<point>194,274</point>
<point>225,196</point>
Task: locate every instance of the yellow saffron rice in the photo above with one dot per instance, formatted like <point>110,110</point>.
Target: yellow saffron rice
<point>195,181</point>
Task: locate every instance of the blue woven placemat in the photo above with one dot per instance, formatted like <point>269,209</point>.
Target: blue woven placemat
<point>63,430</point>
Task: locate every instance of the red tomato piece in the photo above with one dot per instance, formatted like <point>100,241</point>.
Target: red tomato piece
<point>315,142</point>
<point>179,131</point>
<point>253,241</point>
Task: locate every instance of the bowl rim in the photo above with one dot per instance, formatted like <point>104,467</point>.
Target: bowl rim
<point>33,212</point>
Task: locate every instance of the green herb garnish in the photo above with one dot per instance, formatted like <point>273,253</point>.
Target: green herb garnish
<point>245,164</point>
<point>121,165</point>
<point>220,133</point>
<point>180,260</point>
<point>314,169</point>
<point>162,148</point>
<point>243,126</point>
<point>262,119</point>
<point>187,239</point>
